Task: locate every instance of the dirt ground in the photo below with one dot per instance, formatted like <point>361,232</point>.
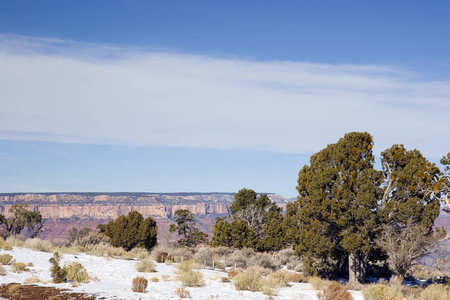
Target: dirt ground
<point>15,291</point>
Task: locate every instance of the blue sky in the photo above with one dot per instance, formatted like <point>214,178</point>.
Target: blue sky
<point>177,96</point>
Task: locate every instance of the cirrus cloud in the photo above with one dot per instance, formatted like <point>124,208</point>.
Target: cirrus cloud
<point>64,91</point>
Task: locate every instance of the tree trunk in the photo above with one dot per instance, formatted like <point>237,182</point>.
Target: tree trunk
<point>356,269</point>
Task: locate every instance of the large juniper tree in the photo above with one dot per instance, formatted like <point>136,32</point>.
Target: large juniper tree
<point>344,205</point>
<point>337,199</point>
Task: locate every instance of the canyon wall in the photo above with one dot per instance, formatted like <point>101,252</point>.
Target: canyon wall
<point>62,211</point>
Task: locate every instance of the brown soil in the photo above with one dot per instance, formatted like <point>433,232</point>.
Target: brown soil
<point>15,291</point>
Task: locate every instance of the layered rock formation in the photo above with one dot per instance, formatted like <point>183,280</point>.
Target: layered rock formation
<point>64,210</point>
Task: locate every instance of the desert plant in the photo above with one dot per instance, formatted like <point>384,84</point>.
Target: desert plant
<point>32,279</point>
<point>317,283</point>
<point>7,246</point>
<point>38,245</point>
<point>77,272</point>
<point>298,277</point>
<point>182,293</point>
<point>282,276</point>
<point>6,259</point>
<point>436,292</point>
<point>381,292</point>
<point>191,278</point>
<point>334,291</point>
<point>165,277</point>
<point>2,270</point>
<point>185,266</point>
<point>19,267</point>
<point>225,279</point>
<point>264,260</point>
<point>139,284</point>
<point>154,279</point>
<point>234,272</point>
<point>57,273</point>
<point>140,253</point>
<point>258,269</point>
<point>247,281</point>
<point>13,289</point>
<point>146,266</point>
<point>205,256</point>
<point>270,286</point>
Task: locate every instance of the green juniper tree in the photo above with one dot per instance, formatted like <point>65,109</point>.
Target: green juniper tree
<point>131,231</point>
<point>186,227</point>
<point>337,199</point>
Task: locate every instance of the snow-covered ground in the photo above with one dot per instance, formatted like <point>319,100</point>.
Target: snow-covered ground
<point>115,277</point>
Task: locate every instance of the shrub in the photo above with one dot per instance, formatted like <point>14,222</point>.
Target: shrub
<point>380,292</point>
<point>184,266</point>
<point>146,266</point>
<point>139,284</point>
<point>264,260</point>
<point>317,283</point>
<point>7,246</point>
<point>282,276</point>
<point>247,281</point>
<point>19,267</point>
<point>2,270</point>
<point>181,254</point>
<point>165,277</point>
<point>131,231</point>
<point>225,279</point>
<point>270,286</point>
<point>182,293</point>
<point>140,253</point>
<point>205,256</point>
<point>154,279</point>
<point>258,269</point>
<point>334,291</point>
<point>239,258</point>
<point>76,272</point>
<point>233,273</point>
<point>32,279</point>
<point>6,259</point>
<point>92,238</point>
<point>57,273</point>
<point>191,278</point>
<point>436,292</point>
<point>298,277</point>
<point>13,289</point>
<point>38,245</point>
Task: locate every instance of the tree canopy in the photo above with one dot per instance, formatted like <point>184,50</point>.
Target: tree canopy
<point>186,227</point>
<point>344,203</point>
<point>21,218</point>
<point>131,231</point>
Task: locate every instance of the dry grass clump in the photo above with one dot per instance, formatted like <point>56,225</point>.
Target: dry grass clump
<point>19,267</point>
<point>317,283</point>
<point>146,266</point>
<point>282,276</point>
<point>69,250</point>
<point>104,249</point>
<point>298,277</point>
<point>234,272</point>
<point>239,258</point>
<point>38,245</point>
<point>381,292</point>
<point>77,272</point>
<point>13,289</point>
<point>2,271</point>
<point>259,269</point>
<point>182,293</point>
<point>139,253</point>
<point>191,278</point>
<point>225,279</point>
<point>264,260</point>
<point>6,246</point>
<point>247,281</point>
<point>6,259</point>
<point>334,291</point>
<point>32,279</point>
<point>16,240</point>
<point>139,285</point>
<point>154,279</point>
<point>165,277</point>
<point>436,292</point>
<point>184,266</point>
<point>205,256</point>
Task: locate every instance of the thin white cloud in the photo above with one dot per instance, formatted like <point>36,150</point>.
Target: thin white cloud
<point>53,90</point>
